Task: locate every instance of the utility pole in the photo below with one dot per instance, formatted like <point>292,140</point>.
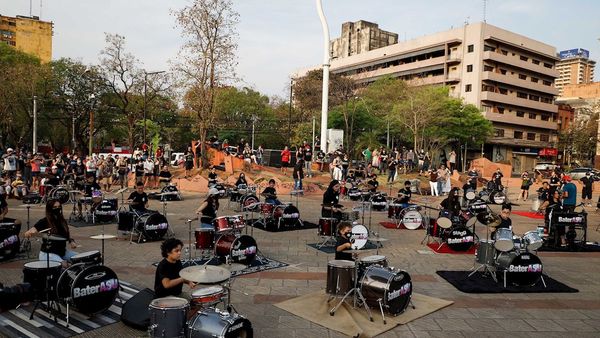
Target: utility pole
<point>253,122</point>
<point>290,113</point>
<point>325,99</point>
<point>34,124</point>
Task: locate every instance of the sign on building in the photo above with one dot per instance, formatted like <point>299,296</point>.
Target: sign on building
<point>574,53</point>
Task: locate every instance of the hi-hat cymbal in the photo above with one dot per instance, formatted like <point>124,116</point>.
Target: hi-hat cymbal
<point>378,239</point>
<point>103,236</point>
<point>205,274</point>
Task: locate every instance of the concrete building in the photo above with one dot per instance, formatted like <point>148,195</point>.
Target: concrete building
<point>359,37</point>
<point>28,34</point>
<point>509,76</point>
<point>566,116</point>
<point>574,67</point>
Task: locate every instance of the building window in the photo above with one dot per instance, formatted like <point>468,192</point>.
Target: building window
<point>531,136</point>
<point>469,68</point>
<point>521,95</point>
<point>487,48</point>
<point>470,48</point>
<point>503,71</point>
<point>486,108</point>
<point>498,132</point>
<point>545,117</point>
<point>534,98</point>
<point>544,137</point>
<point>547,83</point>
<point>534,79</point>
<point>520,113</point>
<point>535,62</point>
<point>12,43</point>
<point>500,110</point>
<point>503,91</point>
<point>468,88</point>
<point>524,58</point>
<point>504,52</point>
<point>518,135</point>
<point>488,68</point>
<point>12,23</point>
<point>548,65</point>
<point>532,116</point>
<point>522,77</point>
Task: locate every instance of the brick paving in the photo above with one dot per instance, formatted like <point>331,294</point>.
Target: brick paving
<point>485,315</point>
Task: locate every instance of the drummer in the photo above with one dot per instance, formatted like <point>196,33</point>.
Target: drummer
<point>405,194</point>
<point>505,221</point>
<point>209,207</point>
<point>373,184</point>
<point>138,199</point>
<point>212,177</point>
<point>54,178</point>
<point>7,220</point>
<point>166,280</point>
<point>164,176</point>
<point>241,180</point>
<point>452,204</point>
<point>470,185</point>
<point>331,200</point>
<point>270,194</point>
<point>344,242</point>
<point>88,188</point>
<point>56,249</point>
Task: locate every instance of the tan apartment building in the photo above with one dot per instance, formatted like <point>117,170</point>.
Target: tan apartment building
<point>574,67</point>
<point>509,76</point>
<point>359,37</point>
<point>28,34</point>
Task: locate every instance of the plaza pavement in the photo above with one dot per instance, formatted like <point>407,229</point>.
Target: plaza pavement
<point>472,315</point>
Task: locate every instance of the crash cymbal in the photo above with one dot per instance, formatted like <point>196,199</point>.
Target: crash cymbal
<point>378,239</point>
<point>103,236</point>
<point>488,219</point>
<point>252,206</point>
<point>234,267</point>
<point>205,274</point>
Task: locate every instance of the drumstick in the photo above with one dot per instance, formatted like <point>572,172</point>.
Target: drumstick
<point>45,230</point>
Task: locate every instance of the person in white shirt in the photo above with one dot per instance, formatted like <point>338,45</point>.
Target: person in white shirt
<point>148,172</point>
<point>90,167</point>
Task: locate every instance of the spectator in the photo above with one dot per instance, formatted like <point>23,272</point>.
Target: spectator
<point>298,174</point>
<point>189,161</point>
<point>433,182</point>
<point>259,154</point>
<point>285,159</point>
<point>10,163</point>
<point>308,159</point>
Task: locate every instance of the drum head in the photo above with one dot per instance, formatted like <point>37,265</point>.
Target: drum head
<point>444,222</point>
<point>248,201</point>
<point>460,239</point>
<point>240,249</point>
<point>412,220</point>
<point>372,259</point>
<point>497,197</point>
<point>91,289</point>
<point>61,194</point>
<point>290,216</point>
<point>169,303</point>
<point>85,256</point>
<point>524,269</point>
<point>360,235</point>
<point>470,195</point>
<point>155,225</point>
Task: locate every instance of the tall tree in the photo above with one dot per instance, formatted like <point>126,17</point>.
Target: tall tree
<point>207,59</point>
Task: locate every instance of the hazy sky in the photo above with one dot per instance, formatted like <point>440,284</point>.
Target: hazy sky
<point>277,37</point>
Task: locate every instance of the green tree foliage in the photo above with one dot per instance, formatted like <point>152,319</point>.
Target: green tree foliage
<point>464,123</point>
<point>579,140</point>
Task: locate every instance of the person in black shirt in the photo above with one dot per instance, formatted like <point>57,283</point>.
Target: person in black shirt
<point>209,207</point>
<point>88,188</point>
<point>189,161</point>
<point>270,194</point>
<point>343,241</point>
<point>138,200</point>
<point>164,176</point>
<point>505,221</point>
<point>586,192</point>
<point>451,203</point>
<point>405,194</point>
<point>166,279</point>
<point>54,220</point>
<point>331,200</point>
<point>212,177</point>
<point>10,228</point>
<point>497,178</point>
<point>373,184</point>
<point>308,159</point>
<point>54,178</point>
<point>139,171</point>
<point>241,180</point>
<point>554,182</point>
<point>298,174</point>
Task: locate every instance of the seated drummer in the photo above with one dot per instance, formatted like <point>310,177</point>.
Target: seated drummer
<point>241,180</point>
<point>56,250</point>
<point>470,184</point>
<point>88,188</point>
<point>164,176</point>
<point>212,177</point>
<point>505,221</point>
<point>373,184</point>
<point>54,178</point>
<point>138,199</point>
<point>405,194</point>
<point>8,220</point>
<point>331,201</point>
<point>344,242</point>
<point>209,207</point>
<point>451,203</point>
<point>166,280</point>
<point>270,194</point>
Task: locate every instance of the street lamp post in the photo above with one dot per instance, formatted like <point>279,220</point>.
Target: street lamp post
<point>145,95</point>
<point>324,101</point>
<point>91,142</point>
<point>34,124</point>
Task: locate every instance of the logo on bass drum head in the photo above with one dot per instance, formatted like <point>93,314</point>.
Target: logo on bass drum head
<point>94,276</point>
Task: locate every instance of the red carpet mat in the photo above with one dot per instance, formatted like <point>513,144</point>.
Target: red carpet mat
<point>392,225</point>
<point>445,249</point>
<point>529,214</point>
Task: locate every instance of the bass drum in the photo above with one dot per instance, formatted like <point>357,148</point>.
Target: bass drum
<point>60,193</point>
<point>154,226</point>
<point>393,288</point>
<point>213,322</point>
<point>412,218</point>
<point>379,202</point>
<point>250,202</point>
<point>497,197</point>
<point>460,239</point>
<point>107,210</point>
<point>521,268</point>
<point>89,289</point>
<point>354,194</point>
<point>290,216</point>
<point>240,249</point>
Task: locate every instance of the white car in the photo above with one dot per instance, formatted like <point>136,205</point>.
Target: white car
<point>176,159</point>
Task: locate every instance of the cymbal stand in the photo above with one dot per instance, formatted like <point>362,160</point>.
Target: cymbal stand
<point>357,295</point>
<point>189,258</point>
<point>486,268</point>
<point>331,237</point>
<point>26,243</point>
<point>53,306</point>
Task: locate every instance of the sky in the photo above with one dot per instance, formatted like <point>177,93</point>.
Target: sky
<point>278,37</point>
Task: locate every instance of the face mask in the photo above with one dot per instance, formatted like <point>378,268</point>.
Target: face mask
<point>57,212</point>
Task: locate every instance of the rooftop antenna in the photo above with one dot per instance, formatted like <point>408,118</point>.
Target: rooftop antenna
<point>30,6</point>
<point>41,9</point>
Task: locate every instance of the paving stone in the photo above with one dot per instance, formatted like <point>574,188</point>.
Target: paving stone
<point>514,325</point>
<point>454,324</point>
<point>544,325</point>
<point>575,325</point>
<point>482,324</point>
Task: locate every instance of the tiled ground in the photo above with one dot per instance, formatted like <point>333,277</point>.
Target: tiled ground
<point>493,315</point>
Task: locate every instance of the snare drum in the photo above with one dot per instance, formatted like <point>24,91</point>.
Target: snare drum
<point>168,317</point>
<point>340,277</point>
<point>266,209</point>
<point>470,195</point>
<point>365,262</point>
<point>328,226</point>
<point>221,224</point>
<point>240,249</point>
<point>207,296</point>
<point>87,258</point>
<point>205,238</point>
<point>504,240</point>
<point>532,240</point>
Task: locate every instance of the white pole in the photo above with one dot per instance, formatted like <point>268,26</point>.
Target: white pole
<point>325,76</point>
<point>253,121</point>
<point>313,134</point>
<point>34,124</point>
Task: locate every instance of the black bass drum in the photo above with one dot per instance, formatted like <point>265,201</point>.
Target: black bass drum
<point>153,225</point>
<point>211,322</point>
<point>89,289</point>
<point>393,288</point>
<point>521,268</point>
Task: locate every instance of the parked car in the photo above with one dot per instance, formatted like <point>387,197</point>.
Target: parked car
<point>176,159</point>
<point>544,168</point>
<point>578,173</point>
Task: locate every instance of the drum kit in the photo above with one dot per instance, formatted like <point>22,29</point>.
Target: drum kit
<point>371,283</point>
<point>277,216</point>
<point>87,285</point>
<point>200,317</point>
<point>491,193</point>
<point>245,196</point>
<point>456,231</point>
<point>509,254</point>
<point>408,215</point>
<point>10,242</point>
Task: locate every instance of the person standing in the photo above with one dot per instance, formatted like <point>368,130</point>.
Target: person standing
<point>410,158</point>
<point>259,154</point>
<point>554,182</point>
<point>441,179</point>
<point>345,165</point>
<point>392,163</point>
<point>122,171</point>
<point>569,194</point>
<point>588,186</point>
<point>10,163</point>
<point>376,159</point>
<point>285,159</point>
<point>367,155</point>
<point>452,160</point>
<point>526,182</point>
<point>308,159</point>
<point>433,182</point>
<point>298,174</point>
<point>497,179</point>
<point>189,162</point>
